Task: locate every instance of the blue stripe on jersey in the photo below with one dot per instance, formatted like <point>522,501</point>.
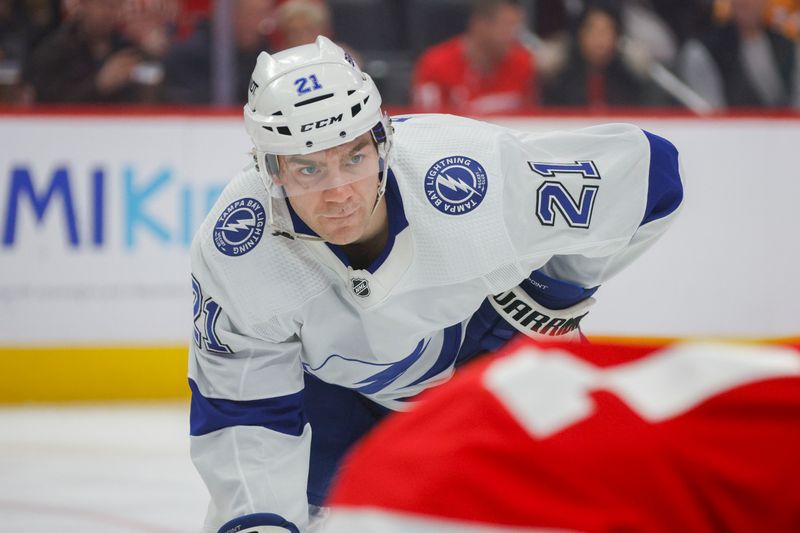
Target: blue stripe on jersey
<point>664,191</point>
<point>283,414</point>
<point>451,342</point>
<point>383,378</point>
<point>386,377</point>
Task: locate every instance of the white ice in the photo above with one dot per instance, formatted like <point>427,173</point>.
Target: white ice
<point>112,468</point>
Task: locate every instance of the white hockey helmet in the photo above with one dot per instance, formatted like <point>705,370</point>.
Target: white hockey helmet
<point>310,98</point>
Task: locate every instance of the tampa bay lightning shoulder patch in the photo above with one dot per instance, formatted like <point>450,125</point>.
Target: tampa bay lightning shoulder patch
<point>240,227</point>
<point>455,185</point>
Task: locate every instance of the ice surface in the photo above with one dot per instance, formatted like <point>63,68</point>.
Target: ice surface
<point>115,468</point>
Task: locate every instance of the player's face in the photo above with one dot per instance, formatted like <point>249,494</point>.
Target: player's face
<point>333,191</point>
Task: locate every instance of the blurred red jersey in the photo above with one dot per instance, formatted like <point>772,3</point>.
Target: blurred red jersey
<point>688,437</point>
<point>444,80</point>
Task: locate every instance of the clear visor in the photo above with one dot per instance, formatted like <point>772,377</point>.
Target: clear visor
<point>340,166</point>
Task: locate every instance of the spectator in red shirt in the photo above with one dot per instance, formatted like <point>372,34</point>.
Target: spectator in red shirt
<point>484,70</point>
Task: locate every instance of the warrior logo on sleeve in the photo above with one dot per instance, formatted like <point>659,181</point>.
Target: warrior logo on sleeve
<point>239,227</point>
<point>455,185</point>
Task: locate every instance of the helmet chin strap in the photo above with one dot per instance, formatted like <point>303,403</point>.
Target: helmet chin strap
<point>384,174</point>
<point>282,231</point>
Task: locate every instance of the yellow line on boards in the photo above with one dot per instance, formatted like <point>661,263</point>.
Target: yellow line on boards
<point>100,373</point>
<point>56,374</point>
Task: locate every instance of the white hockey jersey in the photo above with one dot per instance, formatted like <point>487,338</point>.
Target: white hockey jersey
<point>473,209</point>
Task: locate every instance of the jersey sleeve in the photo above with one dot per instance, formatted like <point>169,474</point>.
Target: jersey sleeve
<point>617,191</point>
<point>249,438</point>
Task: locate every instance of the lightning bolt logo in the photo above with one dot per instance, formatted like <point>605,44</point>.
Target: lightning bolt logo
<point>240,225</point>
<point>455,184</point>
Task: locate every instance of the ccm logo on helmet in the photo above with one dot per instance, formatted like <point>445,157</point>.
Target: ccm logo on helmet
<point>321,123</point>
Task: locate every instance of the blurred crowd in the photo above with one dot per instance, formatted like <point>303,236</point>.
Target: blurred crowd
<point>461,56</point>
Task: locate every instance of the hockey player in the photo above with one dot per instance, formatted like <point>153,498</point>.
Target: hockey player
<point>360,259</point>
<point>594,438</point>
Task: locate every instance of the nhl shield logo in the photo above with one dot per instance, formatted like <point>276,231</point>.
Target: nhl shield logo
<point>361,287</point>
<point>455,185</point>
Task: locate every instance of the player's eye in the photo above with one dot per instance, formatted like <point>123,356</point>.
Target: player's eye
<point>308,171</point>
<point>356,159</point>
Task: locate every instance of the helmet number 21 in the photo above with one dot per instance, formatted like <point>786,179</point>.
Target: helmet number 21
<point>303,87</point>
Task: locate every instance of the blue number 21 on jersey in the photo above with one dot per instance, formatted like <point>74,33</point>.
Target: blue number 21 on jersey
<point>552,196</point>
<point>212,310</point>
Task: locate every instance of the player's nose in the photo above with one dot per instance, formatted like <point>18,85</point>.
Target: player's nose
<point>338,183</point>
<point>339,192</point>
